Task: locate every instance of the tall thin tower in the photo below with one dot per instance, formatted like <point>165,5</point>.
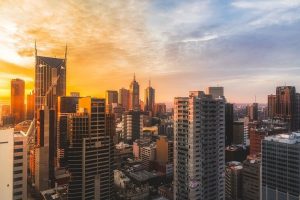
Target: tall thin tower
<point>199,142</point>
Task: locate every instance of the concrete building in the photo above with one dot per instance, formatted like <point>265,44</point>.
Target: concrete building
<point>199,145</point>
<point>7,165</point>
<point>164,150</point>
<point>13,153</point>
<point>17,102</point>
<point>123,98</point>
<point>229,118</point>
<point>259,133</point>
<point>44,152</point>
<point>236,153</point>
<point>271,106</point>
<point>233,187</point>
<point>149,100</point>
<point>111,97</point>
<point>134,95</point>
<point>90,152</point>
<point>132,126</point>
<point>148,156</point>
<point>238,132</point>
<point>252,112</point>
<point>160,109</point>
<point>215,91</point>
<point>286,106</point>
<point>251,178</point>
<point>281,167</point>
<point>65,106</point>
<point>30,106</point>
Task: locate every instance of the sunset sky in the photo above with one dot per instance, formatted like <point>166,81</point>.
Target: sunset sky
<point>249,47</point>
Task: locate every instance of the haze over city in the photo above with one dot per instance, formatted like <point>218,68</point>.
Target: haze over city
<point>179,45</point>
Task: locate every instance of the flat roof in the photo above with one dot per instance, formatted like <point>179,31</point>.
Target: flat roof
<point>292,138</point>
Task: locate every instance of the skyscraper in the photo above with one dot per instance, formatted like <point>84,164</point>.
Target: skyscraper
<point>17,100</point>
<point>252,112</point>
<point>199,143</point>
<point>124,98</point>
<point>13,154</point>
<point>45,150</point>
<point>50,80</point>
<point>271,106</point>
<point>149,99</point>
<point>281,167</point>
<point>134,95</point>
<point>111,96</point>
<point>90,152</point>
<point>30,106</point>
<point>229,124</point>
<point>50,83</point>
<point>65,106</point>
<point>286,106</point>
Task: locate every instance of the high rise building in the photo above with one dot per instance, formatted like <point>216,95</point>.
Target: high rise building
<point>234,175</point>
<point>271,106</point>
<point>30,106</point>
<point>111,96</point>
<point>286,106</point>
<point>281,167</point>
<point>215,91</point>
<point>160,109</point>
<point>65,106</point>
<point>7,163</point>
<point>50,81</point>
<point>17,100</point>
<point>124,98</point>
<point>199,144</point>
<point>90,152</point>
<point>251,178</point>
<point>229,124</point>
<point>132,125</point>
<point>45,150</point>
<point>252,112</point>
<point>20,166</point>
<point>238,132</point>
<point>149,99</point>
<point>13,154</point>
<point>134,95</point>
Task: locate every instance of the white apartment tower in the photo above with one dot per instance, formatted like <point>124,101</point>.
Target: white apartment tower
<point>199,143</point>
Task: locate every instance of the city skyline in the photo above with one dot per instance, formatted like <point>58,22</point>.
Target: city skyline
<point>189,44</point>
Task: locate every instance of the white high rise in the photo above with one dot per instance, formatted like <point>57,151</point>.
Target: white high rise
<point>13,173</point>
<point>199,143</point>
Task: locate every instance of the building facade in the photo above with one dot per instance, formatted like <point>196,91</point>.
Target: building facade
<point>134,95</point>
<point>17,100</point>
<point>199,143</point>
<point>281,167</point>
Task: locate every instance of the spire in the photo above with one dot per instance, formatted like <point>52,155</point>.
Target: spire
<point>134,76</point>
<point>35,49</point>
<point>149,82</point>
<point>66,51</point>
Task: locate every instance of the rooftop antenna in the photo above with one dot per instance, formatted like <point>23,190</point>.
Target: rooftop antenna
<point>255,98</point>
<point>134,76</point>
<point>66,51</point>
<point>149,82</point>
<point>35,49</point>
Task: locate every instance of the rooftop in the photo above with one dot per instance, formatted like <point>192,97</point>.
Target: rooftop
<point>292,138</point>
